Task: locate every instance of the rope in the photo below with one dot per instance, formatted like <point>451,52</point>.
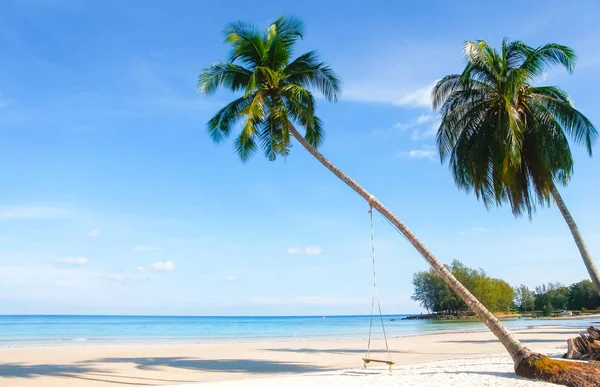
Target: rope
<point>375,295</point>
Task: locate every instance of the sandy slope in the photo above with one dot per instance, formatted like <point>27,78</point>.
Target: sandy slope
<point>167,364</point>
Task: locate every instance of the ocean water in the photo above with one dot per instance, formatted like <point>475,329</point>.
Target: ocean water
<point>61,329</point>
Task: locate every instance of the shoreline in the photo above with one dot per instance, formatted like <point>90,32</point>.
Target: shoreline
<point>103,342</point>
<point>170,364</point>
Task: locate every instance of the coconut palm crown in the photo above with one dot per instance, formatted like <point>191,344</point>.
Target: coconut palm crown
<point>275,88</point>
<point>506,138</point>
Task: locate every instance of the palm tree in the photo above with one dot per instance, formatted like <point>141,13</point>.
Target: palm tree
<point>506,139</point>
<point>275,97</point>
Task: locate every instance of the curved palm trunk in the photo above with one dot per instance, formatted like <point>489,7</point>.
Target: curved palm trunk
<point>517,350</point>
<point>585,253</point>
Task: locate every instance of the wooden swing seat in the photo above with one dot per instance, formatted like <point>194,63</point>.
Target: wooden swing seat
<point>367,361</point>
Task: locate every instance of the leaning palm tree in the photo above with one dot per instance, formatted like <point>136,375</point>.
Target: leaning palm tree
<point>505,138</point>
<point>274,97</point>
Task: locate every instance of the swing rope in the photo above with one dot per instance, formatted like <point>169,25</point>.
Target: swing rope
<point>375,295</point>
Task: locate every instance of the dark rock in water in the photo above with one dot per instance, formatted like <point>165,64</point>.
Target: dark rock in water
<point>393,319</point>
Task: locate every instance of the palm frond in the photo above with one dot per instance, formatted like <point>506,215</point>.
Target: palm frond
<point>245,144</point>
<point>281,36</point>
<point>516,53</point>
<point>570,119</point>
<point>505,140</point>
<point>223,74</point>
<point>538,60</point>
<point>276,88</point>
<point>219,127</point>
<point>307,71</point>
<point>247,43</point>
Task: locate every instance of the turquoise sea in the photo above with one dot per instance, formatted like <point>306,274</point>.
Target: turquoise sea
<point>63,329</point>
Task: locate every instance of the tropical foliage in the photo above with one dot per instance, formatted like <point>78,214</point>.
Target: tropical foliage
<point>436,296</point>
<point>505,137</point>
<point>554,296</point>
<point>275,88</point>
<point>524,299</point>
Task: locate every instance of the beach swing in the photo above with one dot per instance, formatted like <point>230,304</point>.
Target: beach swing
<point>368,359</point>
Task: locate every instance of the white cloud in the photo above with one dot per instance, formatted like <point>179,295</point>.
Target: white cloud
<point>420,131</point>
<point>160,265</point>
<point>34,213</point>
<point>418,98</point>
<point>423,118</point>
<point>231,278</point>
<point>427,152</point>
<point>431,131</point>
<point>309,250</point>
<point>93,233</point>
<point>73,261</point>
<point>313,250</point>
<point>402,126</point>
<point>144,248</point>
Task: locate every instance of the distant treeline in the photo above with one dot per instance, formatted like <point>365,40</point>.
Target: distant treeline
<point>554,296</point>
<point>497,295</point>
<point>434,295</point>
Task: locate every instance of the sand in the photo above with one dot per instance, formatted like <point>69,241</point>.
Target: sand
<point>474,358</point>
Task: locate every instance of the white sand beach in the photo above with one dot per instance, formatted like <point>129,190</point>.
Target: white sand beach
<point>450,359</point>
<point>469,372</point>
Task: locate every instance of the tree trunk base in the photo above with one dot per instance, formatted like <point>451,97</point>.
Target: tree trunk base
<point>567,373</point>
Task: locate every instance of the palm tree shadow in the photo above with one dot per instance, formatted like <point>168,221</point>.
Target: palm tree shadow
<point>20,370</point>
<point>215,365</point>
<point>91,369</point>
<point>74,371</point>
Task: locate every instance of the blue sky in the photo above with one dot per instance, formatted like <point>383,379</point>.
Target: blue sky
<point>114,199</point>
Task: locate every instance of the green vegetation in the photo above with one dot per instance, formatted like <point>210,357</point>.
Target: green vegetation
<point>275,88</point>
<point>524,299</point>
<point>436,296</point>
<point>580,296</point>
<point>498,296</point>
<point>506,138</point>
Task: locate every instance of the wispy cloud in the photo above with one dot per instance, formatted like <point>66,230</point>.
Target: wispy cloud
<point>427,152</point>
<point>419,97</point>
<point>73,260</point>
<point>422,119</point>
<point>231,278</point>
<point>93,233</point>
<point>144,248</point>
<point>423,134</point>
<point>34,213</point>
<point>160,266</point>
<point>423,127</point>
<point>309,250</point>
